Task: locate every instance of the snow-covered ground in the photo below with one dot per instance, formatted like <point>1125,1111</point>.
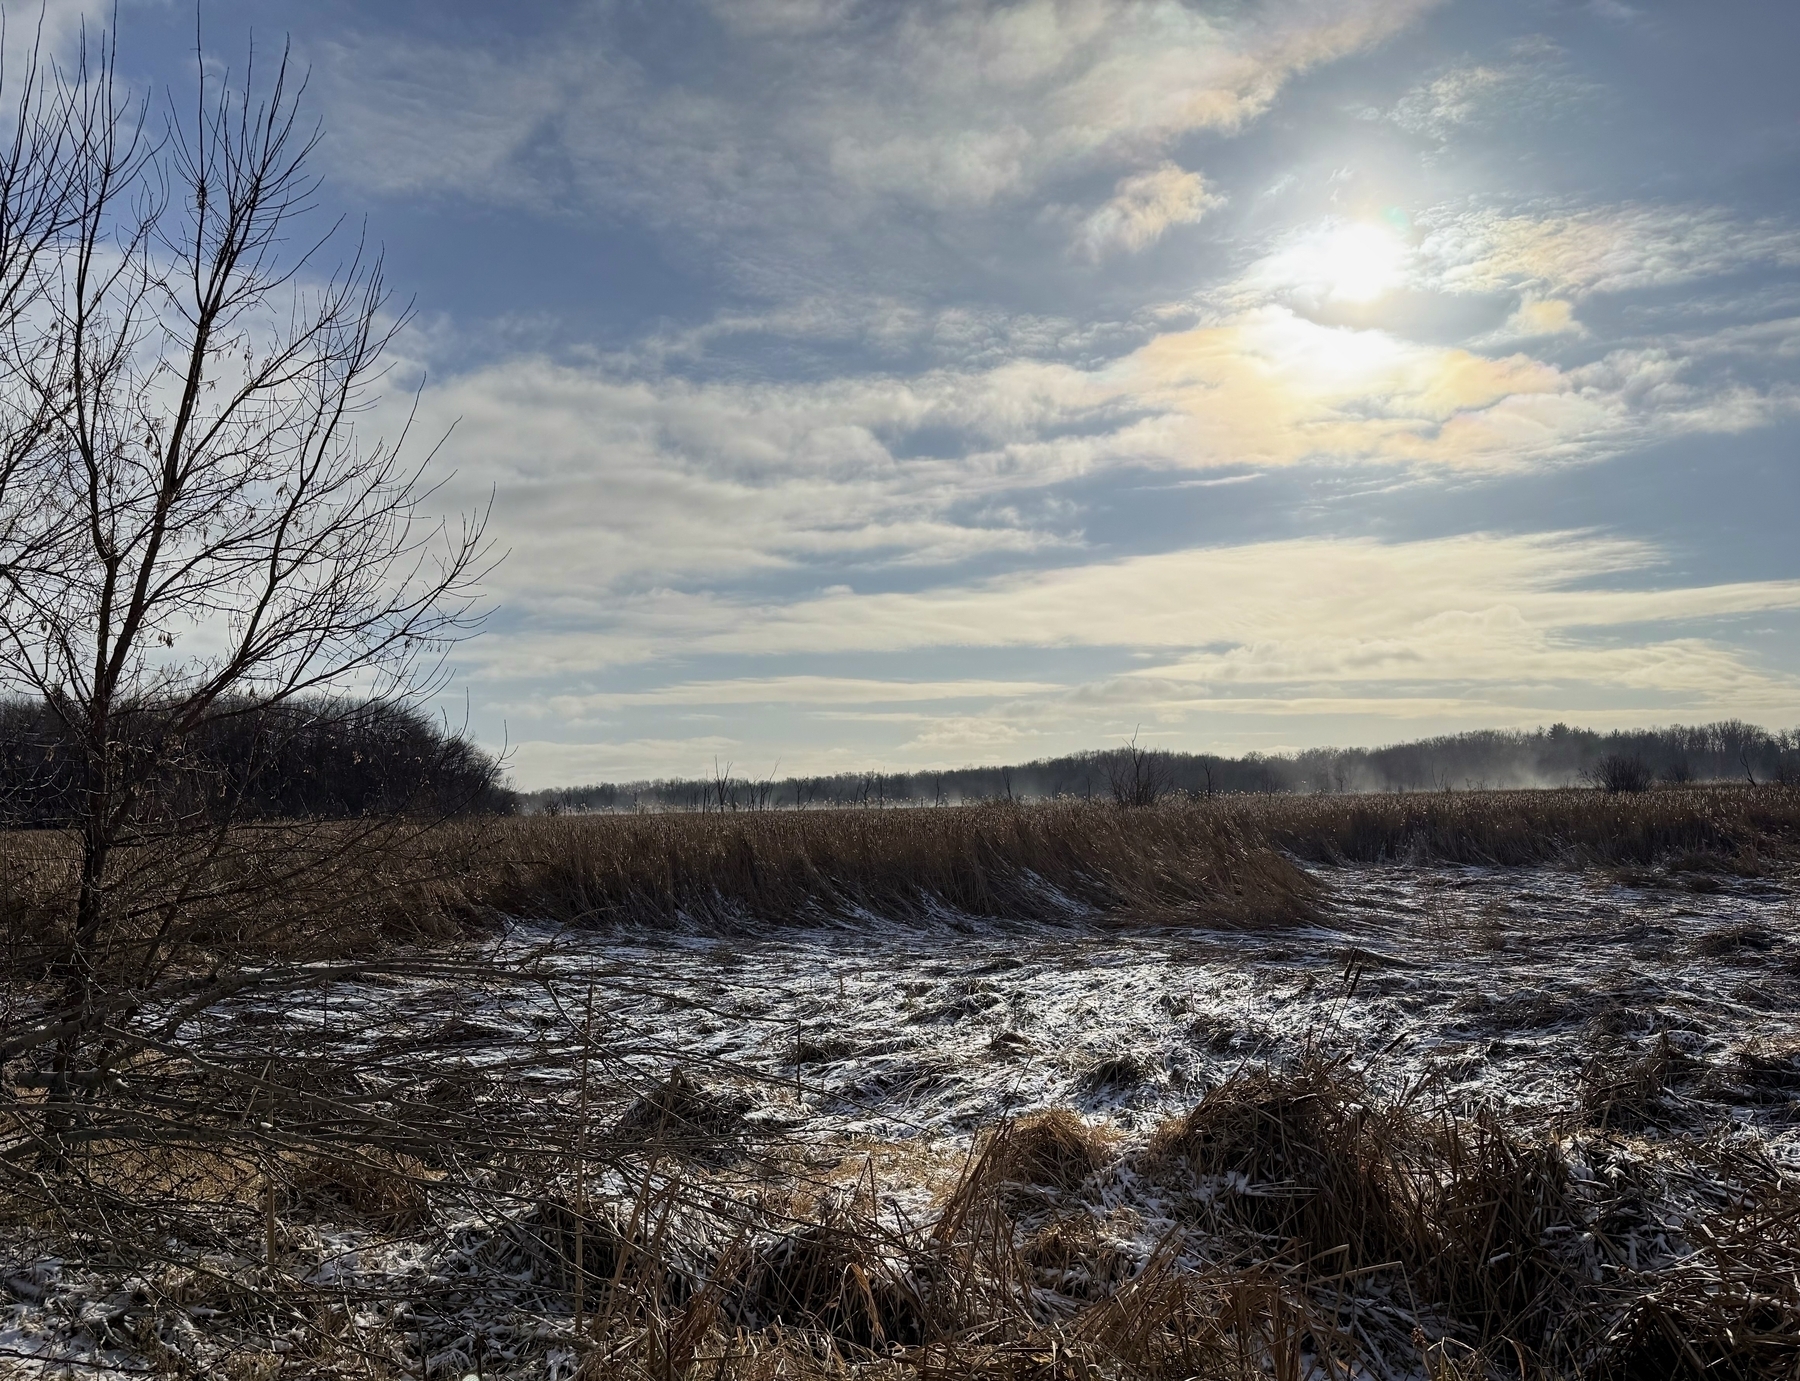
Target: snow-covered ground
<point>1509,987</point>
<point>1500,984</point>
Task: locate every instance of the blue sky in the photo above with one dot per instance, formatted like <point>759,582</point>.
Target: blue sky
<point>921,382</point>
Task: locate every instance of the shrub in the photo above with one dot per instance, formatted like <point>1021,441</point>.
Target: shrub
<point>1621,772</point>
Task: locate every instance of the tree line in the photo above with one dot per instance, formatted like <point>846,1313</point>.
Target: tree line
<point>1557,755</point>
<point>308,759</point>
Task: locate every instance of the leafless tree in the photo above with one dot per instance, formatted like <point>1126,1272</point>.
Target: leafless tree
<point>191,526</point>
<point>1136,776</point>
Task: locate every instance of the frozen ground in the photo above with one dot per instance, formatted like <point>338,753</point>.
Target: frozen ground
<point>1515,987</point>
<point>1497,984</point>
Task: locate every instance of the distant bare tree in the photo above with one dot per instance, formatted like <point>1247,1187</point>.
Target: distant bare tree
<point>190,526</point>
<point>1137,776</point>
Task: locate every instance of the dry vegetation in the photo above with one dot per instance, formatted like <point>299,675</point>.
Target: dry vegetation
<point>240,1199</point>
<point>1320,1227</point>
<point>345,888</point>
<point>1223,862</point>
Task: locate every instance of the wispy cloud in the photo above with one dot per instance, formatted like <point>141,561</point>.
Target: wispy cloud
<point>1532,80</point>
<point>1446,597</point>
<point>1609,249</point>
<point>613,483</point>
<point>796,690</point>
<point>1467,627</point>
<point>1144,206</point>
<point>828,113</point>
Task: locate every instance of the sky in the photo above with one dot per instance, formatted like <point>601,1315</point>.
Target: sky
<point>913,383</point>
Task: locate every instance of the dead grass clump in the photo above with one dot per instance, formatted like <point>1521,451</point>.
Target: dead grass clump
<point>1619,1014</point>
<point>1053,1148</point>
<point>821,1050</point>
<point>1629,1091</point>
<point>1689,1331</point>
<point>384,1189</point>
<point>833,1278</point>
<point>1008,1043</point>
<point>1743,937</point>
<point>605,1248</point>
<point>681,1118</point>
<point>1764,1074</point>
<point>1325,1176</point>
<point>1220,1034</point>
<point>1071,1256</point>
<point>1320,1163</point>
<point>1116,1073</point>
<point>1730,1305</point>
<point>1484,1236</point>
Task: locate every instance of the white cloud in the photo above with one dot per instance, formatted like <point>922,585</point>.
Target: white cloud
<point>1308,611</point>
<point>794,690</point>
<point>1593,250</point>
<point>1531,80</point>
<point>1446,608</point>
<point>1536,318</point>
<point>1144,206</point>
<point>827,112</point>
<point>1453,630</point>
<point>617,483</point>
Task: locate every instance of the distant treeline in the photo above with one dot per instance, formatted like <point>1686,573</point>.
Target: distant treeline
<point>1484,759</point>
<point>304,759</point>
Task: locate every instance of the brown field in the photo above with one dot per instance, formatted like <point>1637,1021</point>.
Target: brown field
<point>336,889</point>
<point>1226,861</point>
<point>466,1147</point>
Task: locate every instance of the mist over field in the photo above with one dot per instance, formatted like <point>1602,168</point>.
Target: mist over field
<point>1558,756</point>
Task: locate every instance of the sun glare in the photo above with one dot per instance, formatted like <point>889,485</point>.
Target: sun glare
<point>1357,262</point>
<point>1361,262</point>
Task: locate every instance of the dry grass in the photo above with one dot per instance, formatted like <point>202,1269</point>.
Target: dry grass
<point>1324,1225</point>
<point>1053,1148</point>
<point>346,889</point>
<point>1010,862</point>
<point>1334,1180</point>
<point>1628,1090</point>
<point>1726,829</point>
<point>1317,1221</point>
<point>1222,862</point>
<point>681,1118</point>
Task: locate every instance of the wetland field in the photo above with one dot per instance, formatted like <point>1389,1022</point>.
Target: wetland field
<point>1447,1086</point>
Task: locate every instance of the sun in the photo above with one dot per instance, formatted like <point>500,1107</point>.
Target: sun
<point>1351,262</point>
<point>1361,262</point>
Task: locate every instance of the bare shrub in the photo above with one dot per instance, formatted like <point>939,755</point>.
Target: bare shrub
<point>387,1190</point>
<point>192,533</point>
<point>1618,773</point>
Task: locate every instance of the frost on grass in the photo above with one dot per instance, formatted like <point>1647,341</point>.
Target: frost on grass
<point>1460,1117</point>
